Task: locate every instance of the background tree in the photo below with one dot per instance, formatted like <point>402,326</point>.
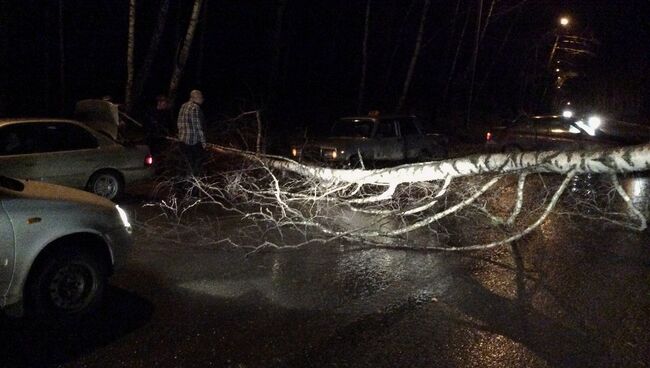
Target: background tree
<point>152,51</point>
<point>129,57</point>
<point>184,52</point>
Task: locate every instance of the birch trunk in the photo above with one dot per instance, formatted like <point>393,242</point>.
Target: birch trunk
<point>364,58</point>
<point>414,58</point>
<point>477,43</point>
<point>274,73</point>
<point>129,57</point>
<point>61,59</point>
<point>179,66</point>
<point>154,43</point>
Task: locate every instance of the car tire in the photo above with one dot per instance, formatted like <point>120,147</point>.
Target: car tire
<point>107,184</point>
<point>68,283</point>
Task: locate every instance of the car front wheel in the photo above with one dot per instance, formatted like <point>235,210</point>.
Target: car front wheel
<point>67,283</point>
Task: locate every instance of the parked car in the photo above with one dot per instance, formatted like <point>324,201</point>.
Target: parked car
<point>71,153</point>
<point>384,138</point>
<point>563,132</point>
<point>57,247</point>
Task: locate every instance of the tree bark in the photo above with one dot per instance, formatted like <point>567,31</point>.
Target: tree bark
<point>179,66</point>
<point>364,58</point>
<point>154,43</point>
<point>129,57</point>
<point>477,43</point>
<point>62,89</point>
<point>274,72</point>
<point>414,57</point>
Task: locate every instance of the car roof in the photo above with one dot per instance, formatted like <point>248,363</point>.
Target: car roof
<point>8,121</point>
<point>379,118</point>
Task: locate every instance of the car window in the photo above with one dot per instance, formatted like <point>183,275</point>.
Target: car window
<point>64,137</point>
<point>352,128</point>
<point>386,129</point>
<point>17,139</point>
<point>407,127</point>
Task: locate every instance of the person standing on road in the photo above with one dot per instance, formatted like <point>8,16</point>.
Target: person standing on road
<point>190,131</point>
<point>158,125</point>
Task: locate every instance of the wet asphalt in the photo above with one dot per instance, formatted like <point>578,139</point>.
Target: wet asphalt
<point>574,293</point>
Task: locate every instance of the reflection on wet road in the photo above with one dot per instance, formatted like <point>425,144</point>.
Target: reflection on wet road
<point>574,294</point>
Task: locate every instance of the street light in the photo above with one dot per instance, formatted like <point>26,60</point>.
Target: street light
<point>564,22</point>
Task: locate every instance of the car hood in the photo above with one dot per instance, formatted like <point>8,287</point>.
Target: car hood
<point>100,115</point>
<point>51,192</point>
<point>335,141</point>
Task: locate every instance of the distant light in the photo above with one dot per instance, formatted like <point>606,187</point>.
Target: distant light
<point>568,103</point>
<point>294,152</point>
<point>557,70</point>
<point>564,21</point>
<point>567,113</point>
<point>148,160</point>
<point>488,136</point>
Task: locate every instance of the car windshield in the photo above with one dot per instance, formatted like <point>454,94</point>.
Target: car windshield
<point>352,128</point>
<point>11,184</point>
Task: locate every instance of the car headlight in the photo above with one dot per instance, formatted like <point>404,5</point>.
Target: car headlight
<point>123,216</point>
<point>330,153</point>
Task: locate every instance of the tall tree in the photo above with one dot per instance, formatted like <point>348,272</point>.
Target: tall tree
<point>477,42</point>
<point>154,44</point>
<point>184,53</point>
<point>61,58</point>
<point>414,57</point>
<point>274,73</point>
<point>364,61</point>
<point>129,57</point>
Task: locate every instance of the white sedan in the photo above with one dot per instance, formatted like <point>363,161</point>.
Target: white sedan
<point>57,248</point>
<point>68,152</point>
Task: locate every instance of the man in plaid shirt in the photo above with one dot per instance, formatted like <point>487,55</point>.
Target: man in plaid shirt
<point>190,131</point>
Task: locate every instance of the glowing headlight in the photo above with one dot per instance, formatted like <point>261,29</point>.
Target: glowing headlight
<point>123,216</point>
<point>594,122</point>
<point>567,113</point>
<point>586,127</point>
<point>330,153</point>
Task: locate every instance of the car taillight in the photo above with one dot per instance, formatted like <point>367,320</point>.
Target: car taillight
<point>148,160</point>
<point>488,136</point>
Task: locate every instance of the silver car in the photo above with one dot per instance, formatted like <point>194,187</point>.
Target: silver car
<point>71,153</point>
<point>57,248</point>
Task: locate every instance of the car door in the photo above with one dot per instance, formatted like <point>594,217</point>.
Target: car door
<point>69,154</point>
<point>7,245</point>
<point>388,145</point>
<point>18,151</point>
<point>415,142</point>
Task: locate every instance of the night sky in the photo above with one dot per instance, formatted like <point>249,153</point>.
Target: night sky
<point>320,57</point>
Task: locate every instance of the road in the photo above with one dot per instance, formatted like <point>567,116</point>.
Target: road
<point>575,293</point>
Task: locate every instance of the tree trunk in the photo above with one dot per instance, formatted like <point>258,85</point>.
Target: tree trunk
<point>62,90</point>
<point>274,73</point>
<point>179,66</point>
<point>477,42</point>
<point>454,62</point>
<point>364,61</point>
<point>414,58</point>
<point>129,57</point>
<point>204,30</point>
<point>154,44</point>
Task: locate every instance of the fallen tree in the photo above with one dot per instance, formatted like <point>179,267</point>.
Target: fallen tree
<point>430,205</point>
